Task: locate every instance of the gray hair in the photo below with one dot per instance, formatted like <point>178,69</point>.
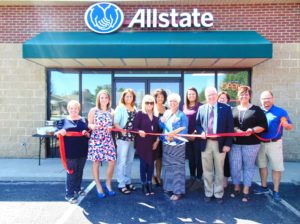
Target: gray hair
<point>174,96</point>
<point>210,88</point>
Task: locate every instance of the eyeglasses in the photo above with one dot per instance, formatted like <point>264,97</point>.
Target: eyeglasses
<point>151,103</point>
<point>269,98</point>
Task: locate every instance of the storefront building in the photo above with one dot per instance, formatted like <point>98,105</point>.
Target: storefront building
<point>49,54</point>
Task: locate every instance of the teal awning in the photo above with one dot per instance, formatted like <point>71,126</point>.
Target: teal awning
<point>205,44</point>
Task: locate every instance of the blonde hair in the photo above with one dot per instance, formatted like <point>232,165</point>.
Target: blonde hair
<point>73,103</point>
<point>98,105</point>
<point>147,98</point>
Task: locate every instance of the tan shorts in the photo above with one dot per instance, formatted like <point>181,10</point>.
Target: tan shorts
<point>271,152</point>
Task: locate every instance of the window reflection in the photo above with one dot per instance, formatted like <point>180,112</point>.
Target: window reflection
<point>230,81</point>
<point>64,87</point>
<point>169,87</point>
<point>199,80</point>
<point>138,88</point>
<point>92,83</point>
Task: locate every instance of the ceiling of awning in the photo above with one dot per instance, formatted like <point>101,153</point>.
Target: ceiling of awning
<point>150,62</point>
<point>208,49</point>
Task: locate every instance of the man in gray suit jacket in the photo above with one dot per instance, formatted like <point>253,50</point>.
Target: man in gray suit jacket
<point>214,118</point>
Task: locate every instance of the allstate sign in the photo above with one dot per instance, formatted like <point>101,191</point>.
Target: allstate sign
<point>104,17</point>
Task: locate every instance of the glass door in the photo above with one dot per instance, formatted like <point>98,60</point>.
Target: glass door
<point>139,87</point>
<point>146,85</point>
<point>168,86</point>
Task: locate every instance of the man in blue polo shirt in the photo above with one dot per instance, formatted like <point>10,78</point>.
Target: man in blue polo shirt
<point>271,149</point>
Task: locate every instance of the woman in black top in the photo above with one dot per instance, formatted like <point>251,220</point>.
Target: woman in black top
<point>248,119</point>
<point>76,149</point>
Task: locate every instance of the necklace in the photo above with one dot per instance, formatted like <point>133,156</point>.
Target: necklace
<point>242,117</point>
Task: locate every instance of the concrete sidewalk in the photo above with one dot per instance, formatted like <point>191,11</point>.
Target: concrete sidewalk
<point>51,170</point>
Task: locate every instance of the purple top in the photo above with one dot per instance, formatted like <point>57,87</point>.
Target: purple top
<point>144,145</point>
<point>191,115</point>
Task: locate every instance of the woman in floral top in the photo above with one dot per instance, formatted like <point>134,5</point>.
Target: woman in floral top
<point>124,119</point>
<point>101,145</point>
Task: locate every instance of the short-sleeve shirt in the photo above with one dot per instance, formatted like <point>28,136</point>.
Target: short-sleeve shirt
<point>274,116</point>
<point>75,147</point>
<point>250,118</point>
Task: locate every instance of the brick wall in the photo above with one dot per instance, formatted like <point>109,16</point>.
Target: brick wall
<point>279,23</point>
<point>281,74</point>
<point>23,102</point>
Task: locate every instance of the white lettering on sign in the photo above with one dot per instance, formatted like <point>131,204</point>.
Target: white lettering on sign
<point>151,19</point>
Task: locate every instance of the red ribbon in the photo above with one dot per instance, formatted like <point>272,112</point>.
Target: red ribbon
<point>62,148</point>
<point>282,120</point>
<point>230,134</point>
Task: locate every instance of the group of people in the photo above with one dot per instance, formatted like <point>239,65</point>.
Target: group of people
<point>219,142</point>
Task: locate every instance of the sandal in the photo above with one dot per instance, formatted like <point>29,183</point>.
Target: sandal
<point>175,197</point>
<point>130,187</point>
<point>124,190</point>
<point>235,193</point>
<point>245,197</point>
<point>157,181</point>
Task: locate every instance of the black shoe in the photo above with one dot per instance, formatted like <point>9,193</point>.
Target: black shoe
<point>219,200</point>
<point>207,199</point>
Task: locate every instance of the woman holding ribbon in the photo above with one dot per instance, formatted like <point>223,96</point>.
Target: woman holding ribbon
<point>74,146</point>
<point>101,145</point>
<point>174,122</point>
<point>248,120</point>
<point>124,119</point>
<point>146,123</point>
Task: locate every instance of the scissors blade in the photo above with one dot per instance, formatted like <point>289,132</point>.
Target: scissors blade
<point>181,138</point>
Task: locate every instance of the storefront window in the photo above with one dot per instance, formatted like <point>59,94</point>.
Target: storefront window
<point>92,83</point>
<point>83,86</point>
<point>230,81</point>
<point>199,80</point>
<point>64,86</point>
<point>138,88</point>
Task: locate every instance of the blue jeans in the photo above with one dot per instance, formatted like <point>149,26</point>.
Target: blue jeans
<point>125,155</point>
<point>73,181</point>
<point>146,171</point>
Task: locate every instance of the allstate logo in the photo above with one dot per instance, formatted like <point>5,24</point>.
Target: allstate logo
<point>104,17</point>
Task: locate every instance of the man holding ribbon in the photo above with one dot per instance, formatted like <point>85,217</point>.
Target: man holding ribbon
<point>213,118</point>
<point>271,145</point>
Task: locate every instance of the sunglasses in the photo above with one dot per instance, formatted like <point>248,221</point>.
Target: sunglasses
<point>151,103</point>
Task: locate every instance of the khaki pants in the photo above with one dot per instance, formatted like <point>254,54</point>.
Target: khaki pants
<point>213,169</point>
